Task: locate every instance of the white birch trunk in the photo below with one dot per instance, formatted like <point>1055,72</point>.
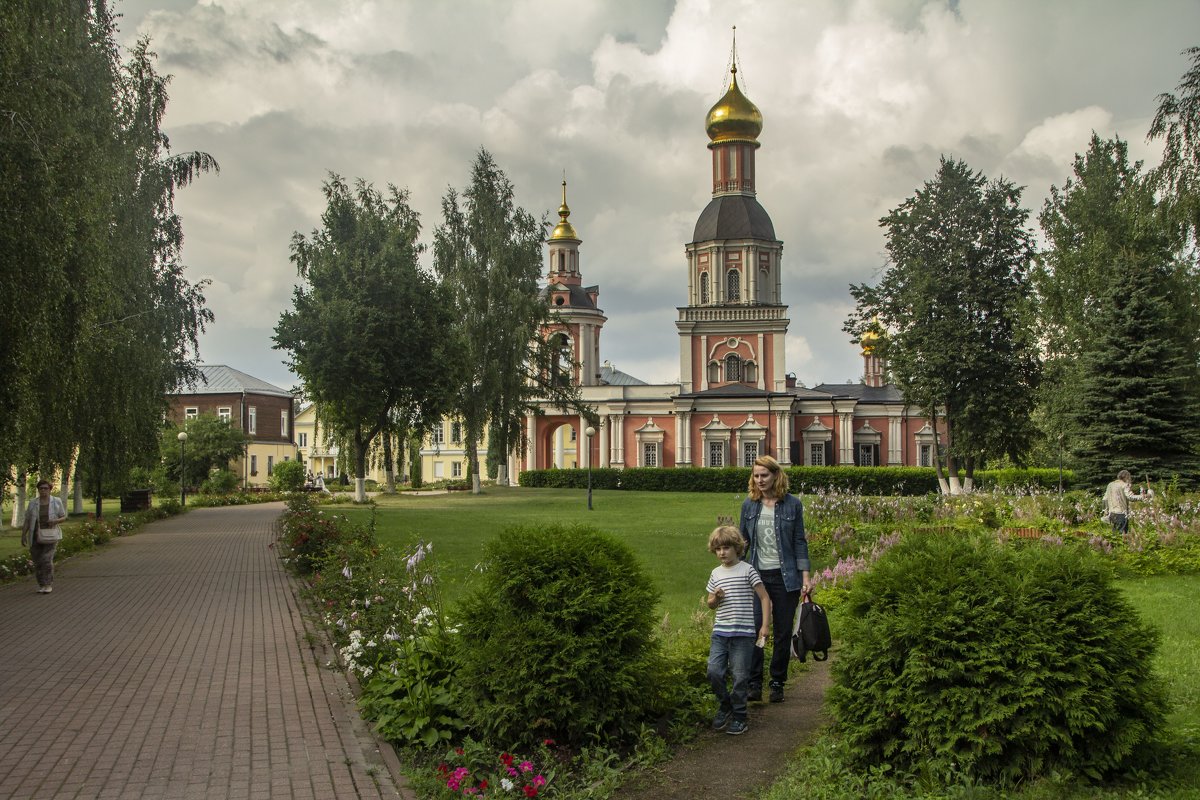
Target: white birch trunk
<point>18,514</point>
<point>77,503</point>
<point>955,484</point>
<point>360,490</point>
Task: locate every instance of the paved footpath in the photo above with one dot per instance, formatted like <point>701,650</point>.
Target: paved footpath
<point>176,663</point>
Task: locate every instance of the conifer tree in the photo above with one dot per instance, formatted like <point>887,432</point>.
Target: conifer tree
<point>1136,407</point>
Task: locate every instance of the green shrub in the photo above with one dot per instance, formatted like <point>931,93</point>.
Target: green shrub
<point>220,481</point>
<point>558,640</point>
<point>311,535</point>
<point>287,476</point>
<point>862,480</point>
<point>964,659</point>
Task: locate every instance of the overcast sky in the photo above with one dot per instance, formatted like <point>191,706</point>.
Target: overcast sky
<point>859,99</point>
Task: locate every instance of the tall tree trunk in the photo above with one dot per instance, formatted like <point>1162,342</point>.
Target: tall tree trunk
<point>63,488</point>
<point>474,433</point>
<point>77,502</point>
<point>389,469</point>
<point>951,461</point>
<point>360,467</point>
<point>943,484</point>
<point>18,515</point>
<point>969,482</point>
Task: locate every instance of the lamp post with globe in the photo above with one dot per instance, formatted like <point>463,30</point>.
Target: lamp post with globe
<point>182,437</point>
<point>589,432</point>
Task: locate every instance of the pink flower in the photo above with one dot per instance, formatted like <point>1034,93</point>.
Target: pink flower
<point>526,766</point>
<point>538,781</point>
<point>512,772</point>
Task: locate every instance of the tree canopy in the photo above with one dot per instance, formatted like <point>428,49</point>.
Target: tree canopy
<point>488,253</point>
<point>953,304</point>
<point>367,331</point>
<point>106,323</point>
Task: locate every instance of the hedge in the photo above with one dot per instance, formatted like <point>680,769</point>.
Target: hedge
<point>863,480</point>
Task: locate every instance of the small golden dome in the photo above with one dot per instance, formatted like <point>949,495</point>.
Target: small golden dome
<point>734,118</point>
<point>564,229</point>
<point>869,339</point>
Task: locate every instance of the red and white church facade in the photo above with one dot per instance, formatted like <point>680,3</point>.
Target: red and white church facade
<point>734,400</point>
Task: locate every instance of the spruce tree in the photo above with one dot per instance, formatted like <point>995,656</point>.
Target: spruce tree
<point>1135,409</point>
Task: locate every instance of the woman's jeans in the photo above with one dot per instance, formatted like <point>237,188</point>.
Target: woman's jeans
<point>731,654</point>
<point>783,614</point>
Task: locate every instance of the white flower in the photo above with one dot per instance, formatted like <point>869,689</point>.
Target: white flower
<point>506,784</point>
<point>346,571</point>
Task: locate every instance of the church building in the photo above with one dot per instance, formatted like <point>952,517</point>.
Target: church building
<point>734,400</point>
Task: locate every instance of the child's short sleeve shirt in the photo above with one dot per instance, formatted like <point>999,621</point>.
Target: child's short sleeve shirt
<point>735,614</point>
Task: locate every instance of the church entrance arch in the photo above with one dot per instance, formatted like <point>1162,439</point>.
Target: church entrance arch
<point>557,443</point>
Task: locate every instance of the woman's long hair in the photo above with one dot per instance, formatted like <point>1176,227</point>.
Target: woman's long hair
<point>779,486</point>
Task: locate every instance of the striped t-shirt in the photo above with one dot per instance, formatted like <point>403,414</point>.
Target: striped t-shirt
<point>735,613</point>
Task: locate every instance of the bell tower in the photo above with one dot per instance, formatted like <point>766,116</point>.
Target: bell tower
<point>732,330</point>
<point>576,331</point>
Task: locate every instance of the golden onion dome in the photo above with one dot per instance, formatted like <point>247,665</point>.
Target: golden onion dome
<point>868,341</point>
<point>734,118</point>
<point>564,229</point>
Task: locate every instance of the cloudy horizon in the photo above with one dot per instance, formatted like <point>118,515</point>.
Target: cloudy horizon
<point>859,99</point>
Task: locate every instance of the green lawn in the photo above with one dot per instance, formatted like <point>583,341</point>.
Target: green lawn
<point>1172,603</point>
<point>668,531</point>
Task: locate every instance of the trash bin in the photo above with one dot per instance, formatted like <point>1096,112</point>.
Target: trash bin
<point>136,500</point>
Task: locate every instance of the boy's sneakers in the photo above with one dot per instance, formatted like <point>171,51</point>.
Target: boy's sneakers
<point>736,728</point>
<point>722,719</point>
<point>776,692</point>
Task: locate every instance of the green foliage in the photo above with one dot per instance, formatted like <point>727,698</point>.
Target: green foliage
<point>965,660</point>
<point>488,251</point>
<point>287,476</point>
<point>410,699</point>
<point>1119,319</point>
<point>863,480</point>
<point>954,307</point>
<point>559,639</point>
<point>211,444</point>
<point>220,481</point>
<point>311,535</point>
<point>87,186</point>
<point>367,331</point>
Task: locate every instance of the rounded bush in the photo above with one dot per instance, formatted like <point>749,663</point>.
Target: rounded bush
<point>556,640</point>
<point>287,476</point>
<point>963,659</point>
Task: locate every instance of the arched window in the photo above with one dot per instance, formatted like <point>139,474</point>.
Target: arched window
<point>703,288</point>
<point>714,372</point>
<point>733,368</point>
<point>733,285</point>
<point>750,372</point>
<point>560,359</point>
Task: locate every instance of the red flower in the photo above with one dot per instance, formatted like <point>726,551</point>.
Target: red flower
<point>530,791</point>
<point>548,742</point>
<point>506,759</point>
<point>483,785</point>
<point>458,751</point>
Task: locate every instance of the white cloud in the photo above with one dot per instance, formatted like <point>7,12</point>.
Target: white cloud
<point>859,100</point>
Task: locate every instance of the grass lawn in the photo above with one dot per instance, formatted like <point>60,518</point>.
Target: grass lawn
<point>1172,603</point>
<point>667,530</point>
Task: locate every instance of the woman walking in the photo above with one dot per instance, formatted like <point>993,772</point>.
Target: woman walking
<point>772,523</point>
<point>42,518</point>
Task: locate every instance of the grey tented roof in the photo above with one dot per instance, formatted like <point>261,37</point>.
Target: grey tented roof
<point>220,379</point>
<point>614,377</point>
<point>733,216</point>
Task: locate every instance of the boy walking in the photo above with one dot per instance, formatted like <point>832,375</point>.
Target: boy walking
<point>731,591</point>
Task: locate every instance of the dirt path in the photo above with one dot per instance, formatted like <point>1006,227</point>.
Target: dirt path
<point>721,767</point>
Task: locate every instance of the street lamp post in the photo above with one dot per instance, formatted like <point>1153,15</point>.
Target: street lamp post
<point>589,432</point>
<point>182,437</point>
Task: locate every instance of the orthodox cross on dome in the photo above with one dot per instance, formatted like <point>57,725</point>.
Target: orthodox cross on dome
<point>564,229</point>
<point>731,66</point>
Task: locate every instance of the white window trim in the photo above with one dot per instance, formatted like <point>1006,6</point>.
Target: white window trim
<point>252,420</point>
<point>191,412</point>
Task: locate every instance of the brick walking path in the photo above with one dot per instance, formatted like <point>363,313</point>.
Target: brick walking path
<point>175,663</point>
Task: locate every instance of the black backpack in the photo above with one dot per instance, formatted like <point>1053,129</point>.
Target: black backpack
<point>811,632</point>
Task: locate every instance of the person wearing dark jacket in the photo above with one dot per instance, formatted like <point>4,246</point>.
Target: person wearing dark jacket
<point>772,523</point>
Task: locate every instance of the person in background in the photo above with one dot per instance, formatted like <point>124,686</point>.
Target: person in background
<point>43,514</point>
<point>772,523</point>
<point>1116,501</point>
